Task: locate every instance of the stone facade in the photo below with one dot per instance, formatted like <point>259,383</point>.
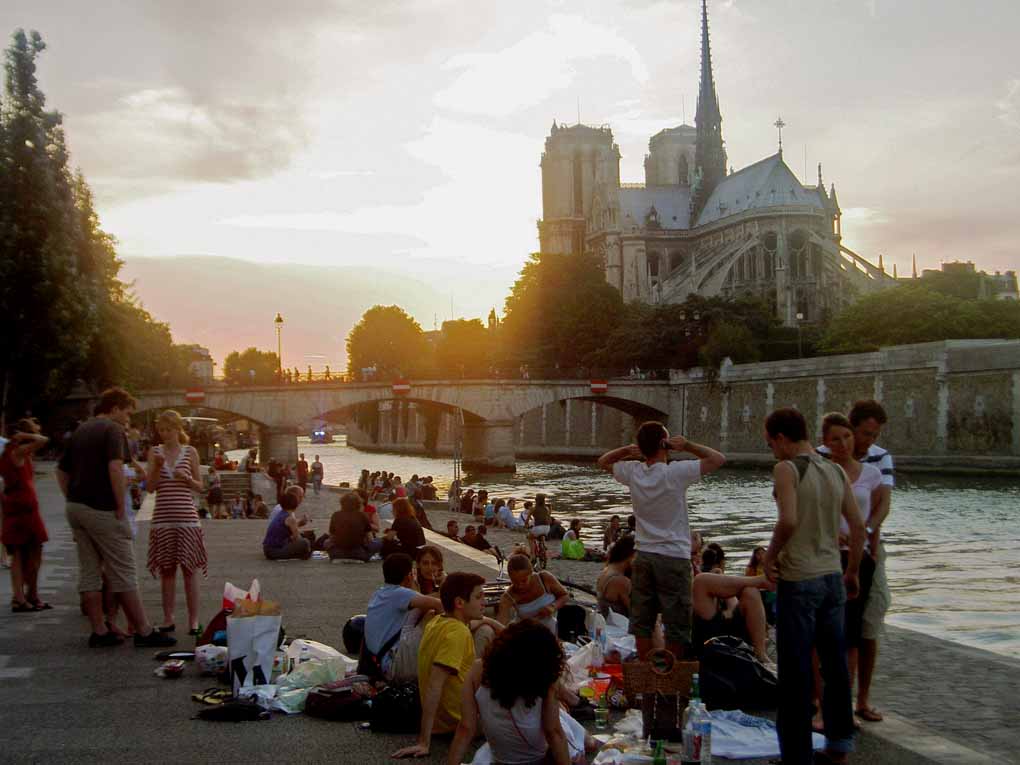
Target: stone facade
<point>693,229</point>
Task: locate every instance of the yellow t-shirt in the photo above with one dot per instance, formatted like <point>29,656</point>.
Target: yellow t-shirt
<point>446,642</point>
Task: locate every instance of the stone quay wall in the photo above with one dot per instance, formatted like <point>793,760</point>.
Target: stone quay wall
<point>951,405</point>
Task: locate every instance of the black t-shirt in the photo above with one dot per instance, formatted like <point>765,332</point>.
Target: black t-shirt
<point>87,459</point>
<point>410,535</point>
<point>347,528</point>
<point>479,542</point>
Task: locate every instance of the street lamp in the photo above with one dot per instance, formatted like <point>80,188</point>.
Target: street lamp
<point>800,318</point>
<point>278,321</point>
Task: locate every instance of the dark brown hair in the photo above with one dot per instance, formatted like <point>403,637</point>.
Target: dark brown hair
<point>787,422</point>
<point>867,409</point>
<point>459,584</point>
<point>526,643</point>
<point>114,398</point>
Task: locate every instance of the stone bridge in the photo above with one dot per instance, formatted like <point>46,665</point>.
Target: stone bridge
<point>489,407</point>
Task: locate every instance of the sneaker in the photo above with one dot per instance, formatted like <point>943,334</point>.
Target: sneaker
<point>105,640</point>
<point>155,639</point>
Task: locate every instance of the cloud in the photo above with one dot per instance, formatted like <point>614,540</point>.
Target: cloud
<point>162,138</point>
<point>1009,105</point>
<point>529,71</point>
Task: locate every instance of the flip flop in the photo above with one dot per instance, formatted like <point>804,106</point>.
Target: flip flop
<point>869,714</point>
<point>22,608</point>
<point>40,605</point>
<point>213,696</point>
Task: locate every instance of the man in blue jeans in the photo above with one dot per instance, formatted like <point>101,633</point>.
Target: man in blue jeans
<point>811,494</point>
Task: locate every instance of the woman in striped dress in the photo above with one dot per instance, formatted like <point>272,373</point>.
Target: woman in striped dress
<point>175,534</point>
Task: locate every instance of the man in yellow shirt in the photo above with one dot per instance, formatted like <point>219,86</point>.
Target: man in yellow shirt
<point>445,657</point>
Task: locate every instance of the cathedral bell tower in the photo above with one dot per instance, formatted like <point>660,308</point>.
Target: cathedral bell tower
<point>709,154</point>
<point>577,159</point>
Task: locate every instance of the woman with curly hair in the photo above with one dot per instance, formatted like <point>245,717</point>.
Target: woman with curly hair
<point>519,711</point>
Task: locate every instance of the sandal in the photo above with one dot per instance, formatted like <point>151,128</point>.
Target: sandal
<point>869,714</point>
<point>213,696</point>
<point>40,605</point>
<point>22,607</point>
<point>167,628</point>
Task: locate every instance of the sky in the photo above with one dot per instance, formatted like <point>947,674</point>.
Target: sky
<point>406,135</point>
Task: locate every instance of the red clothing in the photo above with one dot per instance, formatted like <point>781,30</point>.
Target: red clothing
<point>22,523</point>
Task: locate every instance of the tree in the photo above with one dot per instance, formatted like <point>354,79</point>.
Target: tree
<point>915,314</point>
<point>47,301</point>
<point>389,340</point>
<point>560,312</point>
<point>464,348</point>
<point>728,339</point>
<point>238,366</point>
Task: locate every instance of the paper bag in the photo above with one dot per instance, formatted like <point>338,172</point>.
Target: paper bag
<point>252,643</point>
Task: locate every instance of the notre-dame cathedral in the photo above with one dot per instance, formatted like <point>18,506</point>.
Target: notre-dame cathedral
<point>693,228</point>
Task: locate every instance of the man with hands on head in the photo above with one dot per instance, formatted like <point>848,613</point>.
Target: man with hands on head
<point>661,572</point>
<point>803,558</point>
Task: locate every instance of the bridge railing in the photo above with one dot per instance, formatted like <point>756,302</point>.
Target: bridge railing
<point>523,372</point>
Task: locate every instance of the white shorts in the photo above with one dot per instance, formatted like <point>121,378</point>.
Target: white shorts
<point>539,531</point>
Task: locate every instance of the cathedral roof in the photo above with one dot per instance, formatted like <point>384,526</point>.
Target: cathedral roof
<point>766,183</point>
<point>672,206</point>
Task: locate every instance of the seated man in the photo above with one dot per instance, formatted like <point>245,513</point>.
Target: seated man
<point>476,538</point>
<point>453,530</point>
<point>394,622</point>
<point>259,507</point>
<point>444,658</point>
<point>350,535</point>
<point>728,605</point>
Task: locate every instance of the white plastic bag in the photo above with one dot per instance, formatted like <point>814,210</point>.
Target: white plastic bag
<point>232,593</point>
<point>315,650</point>
<point>577,667</point>
<point>293,688</point>
<point>251,645</point>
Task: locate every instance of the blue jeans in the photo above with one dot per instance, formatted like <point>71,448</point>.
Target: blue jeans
<point>810,615</point>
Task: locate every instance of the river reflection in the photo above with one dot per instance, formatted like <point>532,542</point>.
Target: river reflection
<point>953,543</point>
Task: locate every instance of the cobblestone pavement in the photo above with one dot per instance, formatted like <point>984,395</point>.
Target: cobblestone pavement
<point>63,702</point>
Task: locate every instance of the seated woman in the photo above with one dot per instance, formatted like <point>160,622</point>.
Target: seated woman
<point>530,595</point>
<point>611,533</point>
<point>350,534</point>
<point>613,584</point>
<point>728,605</point>
<point>519,712</point>
<point>572,548</point>
<point>369,510</point>
<point>430,570</point>
<point>405,524</point>
<point>283,538</point>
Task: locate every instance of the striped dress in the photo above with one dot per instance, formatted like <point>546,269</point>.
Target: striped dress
<point>175,534</point>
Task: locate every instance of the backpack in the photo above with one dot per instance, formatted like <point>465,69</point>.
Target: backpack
<point>344,700</point>
<point>571,623</point>
<point>397,709</point>
<point>732,677</point>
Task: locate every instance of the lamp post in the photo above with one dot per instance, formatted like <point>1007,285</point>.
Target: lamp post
<point>800,318</point>
<point>278,321</point>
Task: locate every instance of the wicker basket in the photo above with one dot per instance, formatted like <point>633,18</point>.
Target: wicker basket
<point>642,677</point>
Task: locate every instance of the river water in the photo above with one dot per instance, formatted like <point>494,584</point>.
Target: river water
<point>953,543</point>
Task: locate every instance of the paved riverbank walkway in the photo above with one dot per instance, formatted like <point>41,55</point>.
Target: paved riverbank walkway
<point>63,702</point>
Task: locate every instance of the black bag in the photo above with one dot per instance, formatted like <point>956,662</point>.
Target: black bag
<point>732,677</point>
<point>369,663</point>
<point>570,622</point>
<point>345,700</point>
<point>397,709</point>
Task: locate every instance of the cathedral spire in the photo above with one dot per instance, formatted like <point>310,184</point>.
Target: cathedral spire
<point>709,154</point>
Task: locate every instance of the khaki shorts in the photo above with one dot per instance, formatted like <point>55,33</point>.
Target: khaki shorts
<point>105,546</point>
<point>879,600</point>
<point>661,585</point>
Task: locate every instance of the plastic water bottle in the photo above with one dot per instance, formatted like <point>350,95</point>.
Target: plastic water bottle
<point>705,726</point>
<point>692,728</point>
<point>306,655</point>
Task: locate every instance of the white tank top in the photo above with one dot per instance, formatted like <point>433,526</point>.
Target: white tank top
<point>515,735</point>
